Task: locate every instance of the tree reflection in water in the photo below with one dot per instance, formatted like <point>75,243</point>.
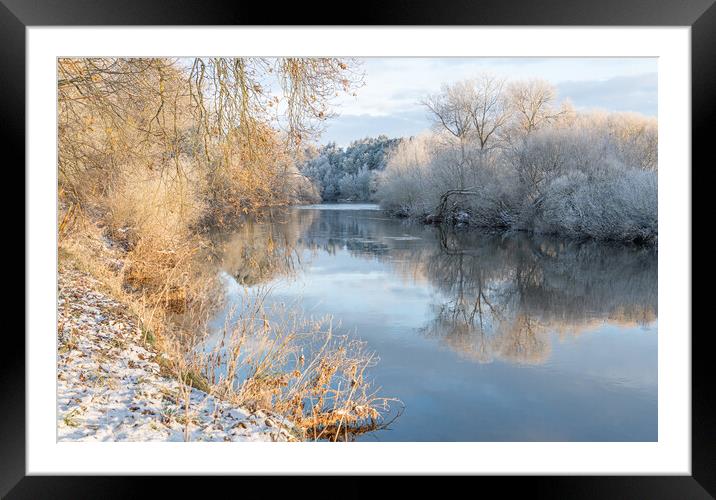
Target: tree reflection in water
<point>497,296</point>
<point>504,294</point>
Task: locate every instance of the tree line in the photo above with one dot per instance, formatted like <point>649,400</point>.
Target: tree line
<point>348,174</point>
<point>506,155</point>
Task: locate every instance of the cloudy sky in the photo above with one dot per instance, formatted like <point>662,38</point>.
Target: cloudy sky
<point>388,103</point>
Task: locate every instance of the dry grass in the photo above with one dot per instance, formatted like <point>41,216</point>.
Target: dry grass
<point>272,358</point>
<point>269,359</point>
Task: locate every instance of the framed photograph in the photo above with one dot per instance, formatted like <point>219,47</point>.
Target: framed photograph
<point>432,239</point>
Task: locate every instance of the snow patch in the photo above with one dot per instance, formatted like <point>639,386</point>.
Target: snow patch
<point>109,386</point>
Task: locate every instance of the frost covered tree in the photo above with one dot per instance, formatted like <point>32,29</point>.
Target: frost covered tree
<point>506,155</point>
<point>472,112</point>
<point>489,109</point>
<point>348,174</point>
<point>532,102</point>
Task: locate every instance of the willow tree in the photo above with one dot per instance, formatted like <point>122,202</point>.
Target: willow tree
<point>229,124</point>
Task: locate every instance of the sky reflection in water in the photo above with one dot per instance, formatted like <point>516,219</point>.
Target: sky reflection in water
<point>483,337</point>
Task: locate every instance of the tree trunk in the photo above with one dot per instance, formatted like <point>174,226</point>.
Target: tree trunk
<point>439,213</point>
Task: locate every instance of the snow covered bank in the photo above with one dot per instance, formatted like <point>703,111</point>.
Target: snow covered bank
<point>109,386</point>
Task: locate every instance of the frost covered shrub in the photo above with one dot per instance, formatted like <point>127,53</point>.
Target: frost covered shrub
<point>497,202</point>
<point>524,164</point>
<point>402,186</point>
<point>621,206</point>
<point>561,180</point>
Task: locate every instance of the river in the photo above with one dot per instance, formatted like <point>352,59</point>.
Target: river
<point>483,337</point>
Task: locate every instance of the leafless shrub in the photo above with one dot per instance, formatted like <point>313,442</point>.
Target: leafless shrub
<point>275,360</point>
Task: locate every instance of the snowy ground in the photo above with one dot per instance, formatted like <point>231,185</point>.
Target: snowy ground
<point>109,387</point>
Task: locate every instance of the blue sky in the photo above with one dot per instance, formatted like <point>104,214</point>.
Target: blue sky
<point>388,103</point>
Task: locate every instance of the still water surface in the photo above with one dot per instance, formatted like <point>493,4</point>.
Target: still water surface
<point>483,337</point>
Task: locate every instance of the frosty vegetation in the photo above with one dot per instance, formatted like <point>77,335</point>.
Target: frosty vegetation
<point>348,174</point>
<point>503,155</point>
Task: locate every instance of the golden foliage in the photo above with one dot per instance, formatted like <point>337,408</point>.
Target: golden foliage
<point>153,153</point>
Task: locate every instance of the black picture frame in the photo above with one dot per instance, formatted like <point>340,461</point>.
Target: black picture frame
<point>700,15</point>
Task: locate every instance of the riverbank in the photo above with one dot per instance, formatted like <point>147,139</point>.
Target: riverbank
<point>461,220</point>
<point>110,385</point>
